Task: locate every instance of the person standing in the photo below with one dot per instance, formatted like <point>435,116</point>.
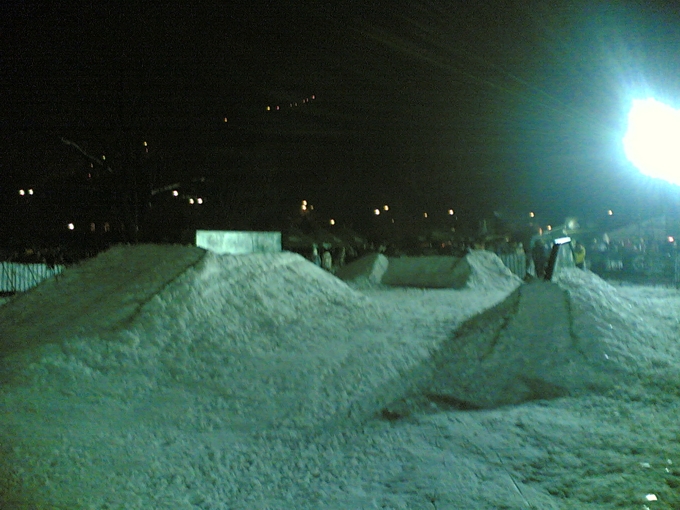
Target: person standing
<point>579,252</point>
<point>327,261</point>
<point>316,258</point>
<point>539,254</point>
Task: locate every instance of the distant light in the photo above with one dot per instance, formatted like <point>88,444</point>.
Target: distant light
<point>191,200</point>
<point>376,212</point>
<point>450,212</point>
<point>303,207</point>
<point>386,207</point>
<point>304,202</point>
<point>71,226</point>
<point>671,239</point>
<point>313,96</point>
<point>563,240</point>
<point>332,222</point>
<point>145,144</point>
<point>22,192</point>
<point>549,227</point>
<point>278,107</point>
<point>424,215</point>
<point>651,497</point>
<point>199,200</point>
<point>225,119</point>
<point>610,212</point>
<point>269,108</point>
<point>92,227</point>
<point>175,193</point>
<point>531,214</point>
<point>103,157</point>
<point>392,220</point>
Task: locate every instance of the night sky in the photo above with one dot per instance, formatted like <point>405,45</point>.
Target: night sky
<point>507,106</point>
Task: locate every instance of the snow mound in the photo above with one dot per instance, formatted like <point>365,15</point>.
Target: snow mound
<point>369,269</point>
<point>427,272</point>
<point>611,326</point>
<point>487,271</point>
<point>86,298</point>
<point>248,342</point>
<point>545,340</point>
<point>478,269</point>
<point>521,350</point>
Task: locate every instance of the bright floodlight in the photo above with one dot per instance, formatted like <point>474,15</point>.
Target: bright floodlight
<point>652,142</point>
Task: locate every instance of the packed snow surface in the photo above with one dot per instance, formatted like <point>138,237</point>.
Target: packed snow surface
<point>170,377</point>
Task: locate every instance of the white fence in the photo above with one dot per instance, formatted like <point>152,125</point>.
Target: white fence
<point>515,262</point>
<point>16,277</point>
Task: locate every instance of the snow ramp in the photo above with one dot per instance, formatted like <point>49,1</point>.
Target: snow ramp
<point>147,350</point>
<point>96,296</point>
<point>545,340</point>
<point>478,268</point>
<point>197,340</point>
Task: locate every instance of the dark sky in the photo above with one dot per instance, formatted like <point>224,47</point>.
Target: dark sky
<point>510,106</point>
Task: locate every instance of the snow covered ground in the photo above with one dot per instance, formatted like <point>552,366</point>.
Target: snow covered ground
<point>169,377</point>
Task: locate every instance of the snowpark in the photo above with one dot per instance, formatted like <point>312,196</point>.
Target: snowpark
<point>173,378</point>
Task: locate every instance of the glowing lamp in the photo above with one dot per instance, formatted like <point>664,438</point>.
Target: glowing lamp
<point>652,141</point>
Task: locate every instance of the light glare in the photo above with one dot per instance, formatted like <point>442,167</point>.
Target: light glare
<point>652,141</point>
